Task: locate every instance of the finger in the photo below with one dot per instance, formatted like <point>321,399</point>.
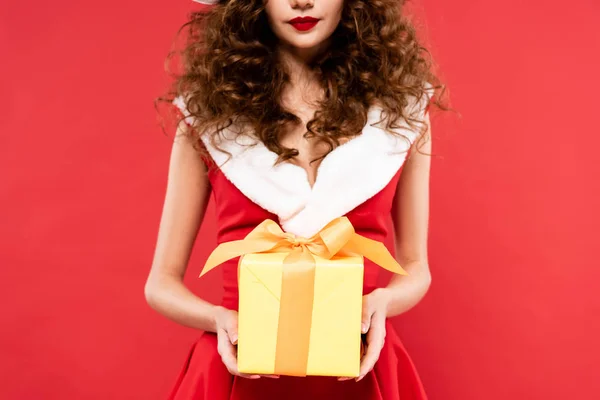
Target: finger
<point>232,331</point>
<point>227,352</point>
<point>345,378</point>
<point>375,338</point>
<point>270,376</point>
<point>366,316</point>
<point>366,322</point>
<point>228,355</point>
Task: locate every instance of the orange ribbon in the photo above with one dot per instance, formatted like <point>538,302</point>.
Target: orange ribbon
<point>297,289</point>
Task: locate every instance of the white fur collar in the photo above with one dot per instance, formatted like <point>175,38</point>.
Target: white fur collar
<point>348,176</point>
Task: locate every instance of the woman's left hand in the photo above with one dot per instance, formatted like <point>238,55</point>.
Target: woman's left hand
<point>374,316</point>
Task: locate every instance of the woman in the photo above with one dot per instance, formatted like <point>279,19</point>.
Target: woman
<point>300,111</point>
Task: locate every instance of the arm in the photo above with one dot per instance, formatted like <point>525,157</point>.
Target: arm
<point>410,215</point>
<point>187,195</point>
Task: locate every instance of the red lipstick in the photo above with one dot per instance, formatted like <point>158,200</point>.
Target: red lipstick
<point>304,23</point>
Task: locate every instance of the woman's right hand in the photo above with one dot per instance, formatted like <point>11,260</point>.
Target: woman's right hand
<point>227,334</point>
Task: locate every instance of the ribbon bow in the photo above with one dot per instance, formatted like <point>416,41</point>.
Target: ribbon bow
<point>336,238</point>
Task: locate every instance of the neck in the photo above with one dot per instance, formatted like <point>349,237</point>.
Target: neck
<point>303,87</point>
<point>297,61</point>
<point>296,65</point>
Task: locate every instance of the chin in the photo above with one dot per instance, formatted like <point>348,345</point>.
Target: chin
<point>304,44</point>
<point>304,41</point>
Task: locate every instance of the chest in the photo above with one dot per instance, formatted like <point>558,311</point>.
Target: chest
<point>311,150</point>
<point>347,177</point>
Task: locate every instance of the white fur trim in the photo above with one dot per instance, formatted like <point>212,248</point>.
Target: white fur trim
<point>179,102</point>
<point>348,176</point>
<point>281,189</point>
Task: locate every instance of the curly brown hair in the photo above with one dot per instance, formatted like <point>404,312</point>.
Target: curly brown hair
<point>230,72</point>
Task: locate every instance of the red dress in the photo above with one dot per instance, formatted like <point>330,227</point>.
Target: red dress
<point>358,179</point>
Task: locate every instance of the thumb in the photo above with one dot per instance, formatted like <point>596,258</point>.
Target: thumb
<point>365,323</point>
<point>364,328</point>
<point>233,336</point>
<point>232,333</point>
<point>367,314</point>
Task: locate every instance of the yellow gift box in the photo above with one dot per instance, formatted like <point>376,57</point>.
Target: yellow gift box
<point>300,299</point>
<point>317,335</point>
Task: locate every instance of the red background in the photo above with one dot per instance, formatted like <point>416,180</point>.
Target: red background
<point>512,312</point>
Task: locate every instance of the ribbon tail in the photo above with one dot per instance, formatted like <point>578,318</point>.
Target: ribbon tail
<point>374,251</point>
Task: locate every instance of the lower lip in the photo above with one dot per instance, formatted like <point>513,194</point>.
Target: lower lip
<point>304,26</point>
